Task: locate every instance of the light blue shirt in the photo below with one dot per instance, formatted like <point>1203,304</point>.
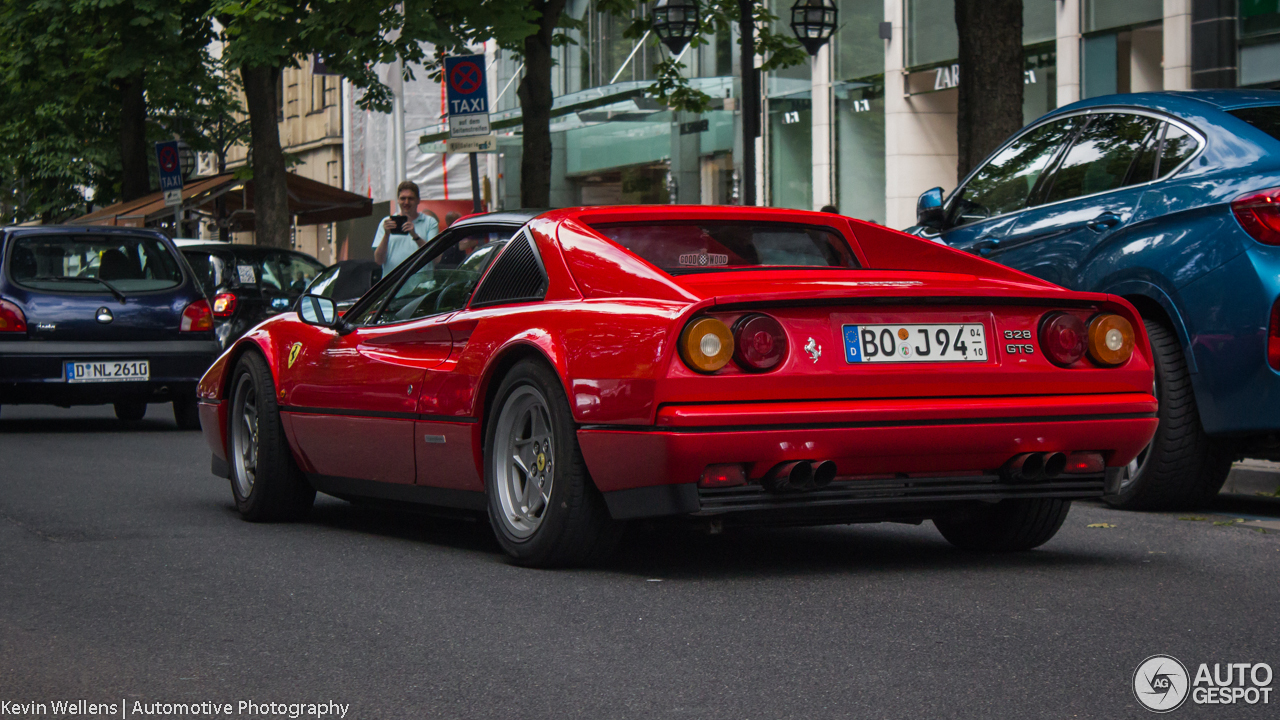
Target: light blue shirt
<point>401,246</point>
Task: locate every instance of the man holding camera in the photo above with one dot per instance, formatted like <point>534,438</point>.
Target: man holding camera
<point>399,236</point>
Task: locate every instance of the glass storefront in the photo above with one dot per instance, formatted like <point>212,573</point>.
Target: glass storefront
<point>1260,42</point>
<point>858,95</point>
<point>931,28</point>
<point>1107,14</point>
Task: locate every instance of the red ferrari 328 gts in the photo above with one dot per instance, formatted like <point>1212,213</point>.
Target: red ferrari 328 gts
<point>569,370</point>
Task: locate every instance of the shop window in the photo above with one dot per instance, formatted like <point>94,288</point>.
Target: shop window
<point>1125,61</point>
<point>1108,14</point>
<point>931,28</point>
<point>1260,42</point>
<point>790,147</point>
<point>860,178</point>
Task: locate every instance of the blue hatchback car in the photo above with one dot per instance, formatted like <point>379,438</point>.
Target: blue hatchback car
<point>101,315</point>
<point>1172,201</point>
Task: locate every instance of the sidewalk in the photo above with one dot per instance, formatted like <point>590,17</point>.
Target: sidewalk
<point>1251,477</point>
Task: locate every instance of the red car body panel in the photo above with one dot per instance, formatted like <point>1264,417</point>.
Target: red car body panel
<point>405,404</point>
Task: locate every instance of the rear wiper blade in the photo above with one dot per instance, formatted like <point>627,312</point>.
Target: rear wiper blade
<point>61,278</point>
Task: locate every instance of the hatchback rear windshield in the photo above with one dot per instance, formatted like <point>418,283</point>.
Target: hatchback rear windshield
<point>91,263</point>
<point>1266,118</point>
<point>691,246</point>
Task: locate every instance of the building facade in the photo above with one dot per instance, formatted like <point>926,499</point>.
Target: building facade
<point>866,125</point>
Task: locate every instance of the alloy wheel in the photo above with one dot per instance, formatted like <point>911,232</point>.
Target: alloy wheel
<point>523,452</point>
<point>244,435</point>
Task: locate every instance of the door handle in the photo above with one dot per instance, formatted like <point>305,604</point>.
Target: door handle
<point>1103,222</point>
<point>984,246</point>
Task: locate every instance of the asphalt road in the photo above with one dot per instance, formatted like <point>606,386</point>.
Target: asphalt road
<point>126,576</point>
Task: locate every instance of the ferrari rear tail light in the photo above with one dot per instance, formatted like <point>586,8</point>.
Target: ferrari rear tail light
<point>224,305</point>
<point>1273,338</point>
<point>197,317</point>
<point>722,476</point>
<point>1062,338</point>
<point>760,343</point>
<point>706,345</point>
<point>11,318</point>
<point>1259,215</point>
<point>1110,339</point>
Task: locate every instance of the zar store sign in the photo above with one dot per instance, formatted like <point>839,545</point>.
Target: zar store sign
<point>468,96</point>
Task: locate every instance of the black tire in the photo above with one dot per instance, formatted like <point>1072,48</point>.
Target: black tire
<point>130,410</point>
<point>1009,525</point>
<point>186,413</point>
<point>266,482</point>
<point>1183,467</point>
<point>574,527</point>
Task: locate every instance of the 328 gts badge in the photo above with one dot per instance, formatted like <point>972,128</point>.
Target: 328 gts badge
<point>1018,348</point>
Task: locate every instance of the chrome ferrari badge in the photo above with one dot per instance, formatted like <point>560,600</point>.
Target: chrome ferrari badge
<point>294,352</point>
<point>814,349</point>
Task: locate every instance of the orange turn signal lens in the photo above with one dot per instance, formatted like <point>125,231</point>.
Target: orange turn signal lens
<point>706,345</point>
<point>1110,339</point>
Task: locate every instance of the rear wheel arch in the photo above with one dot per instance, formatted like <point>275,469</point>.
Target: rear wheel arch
<point>1153,303</point>
<point>498,368</point>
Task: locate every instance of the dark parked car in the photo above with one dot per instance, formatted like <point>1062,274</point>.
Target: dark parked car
<point>345,281</point>
<point>1171,200</point>
<point>92,315</point>
<point>247,283</point>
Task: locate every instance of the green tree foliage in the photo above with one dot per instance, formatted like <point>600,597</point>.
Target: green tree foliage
<point>351,36</point>
<point>85,85</point>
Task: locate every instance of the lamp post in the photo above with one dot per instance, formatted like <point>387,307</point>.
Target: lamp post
<point>813,22</point>
<point>750,98</point>
<point>676,22</point>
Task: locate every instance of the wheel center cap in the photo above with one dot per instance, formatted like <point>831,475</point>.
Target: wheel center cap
<point>542,462</point>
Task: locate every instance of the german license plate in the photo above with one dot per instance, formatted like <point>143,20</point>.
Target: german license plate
<point>915,343</point>
<point>107,371</point>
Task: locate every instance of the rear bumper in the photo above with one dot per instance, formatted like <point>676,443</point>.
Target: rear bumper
<point>887,451</point>
<point>32,371</point>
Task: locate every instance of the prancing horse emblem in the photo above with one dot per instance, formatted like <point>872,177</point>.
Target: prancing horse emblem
<point>294,352</point>
<point>814,349</point>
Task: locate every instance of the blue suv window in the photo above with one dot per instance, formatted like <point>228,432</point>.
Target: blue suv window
<point>93,263</point>
<point>1103,157</point>
<point>1265,118</point>
<point>1005,183</point>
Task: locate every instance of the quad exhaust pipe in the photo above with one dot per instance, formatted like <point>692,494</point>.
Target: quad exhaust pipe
<point>800,475</point>
<point>1029,467</point>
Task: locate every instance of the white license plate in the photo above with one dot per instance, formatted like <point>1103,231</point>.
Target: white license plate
<point>915,343</point>
<point>107,371</point>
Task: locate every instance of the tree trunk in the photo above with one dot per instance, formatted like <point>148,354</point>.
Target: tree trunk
<point>135,181</point>
<point>535,103</point>
<point>270,194</point>
<point>991,77</point>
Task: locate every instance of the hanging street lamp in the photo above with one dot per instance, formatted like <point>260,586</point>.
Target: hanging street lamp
<point>813,22</point>
<point>676,22</point>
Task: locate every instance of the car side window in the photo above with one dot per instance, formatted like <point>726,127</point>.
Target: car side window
<point>442,280</point>
<point>1005,183</point>
<point>1101,156</point>
<point>1178,145</point>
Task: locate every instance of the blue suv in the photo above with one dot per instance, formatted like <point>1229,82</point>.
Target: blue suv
<point>101,315</point>
<point>1172,201</point>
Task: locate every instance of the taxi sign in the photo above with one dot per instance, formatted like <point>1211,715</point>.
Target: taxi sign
<point>467,96</point>
<point>170,166</point>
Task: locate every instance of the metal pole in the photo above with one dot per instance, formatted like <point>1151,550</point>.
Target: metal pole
<point>475,183</point>
<point>750,99</point>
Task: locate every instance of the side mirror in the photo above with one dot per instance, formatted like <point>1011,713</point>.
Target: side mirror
<point>929,210</point>
<point>321,311</point>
